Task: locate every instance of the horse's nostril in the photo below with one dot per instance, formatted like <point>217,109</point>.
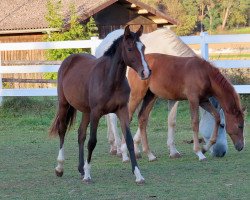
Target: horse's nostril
<point>142,74</point>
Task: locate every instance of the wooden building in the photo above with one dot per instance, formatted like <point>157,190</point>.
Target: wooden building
<point>24,21</point>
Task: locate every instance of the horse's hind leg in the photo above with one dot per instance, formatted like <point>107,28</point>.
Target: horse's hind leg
<point>143,116</point>
<point>122,114</point>
<point>113,135</point>
<point>212,110</point>
<point>62,128</point>
<point>81,139</point>
<point>94,120</point>
<point>172,107</point>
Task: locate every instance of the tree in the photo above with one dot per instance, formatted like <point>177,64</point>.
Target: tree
<point>73,31</point>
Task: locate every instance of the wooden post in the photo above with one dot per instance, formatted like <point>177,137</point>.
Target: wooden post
<point>1,82</point>
<point>95,43</point>
<point>204,46</point>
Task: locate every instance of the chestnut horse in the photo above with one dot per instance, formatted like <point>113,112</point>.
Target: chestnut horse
<point>163,41</point>
<point>97,87</point>
<point>193,79</point>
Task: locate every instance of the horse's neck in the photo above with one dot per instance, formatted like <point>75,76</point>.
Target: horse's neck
<point>117,71</point>
<point>223,91</point>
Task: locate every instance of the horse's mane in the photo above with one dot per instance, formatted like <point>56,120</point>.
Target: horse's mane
<point>225,84</point>
<point>112,49</point>
<point>107,42</point>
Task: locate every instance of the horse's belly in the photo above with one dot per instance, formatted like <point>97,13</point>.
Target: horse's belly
<point>76,96</point>
<point>168,92</point>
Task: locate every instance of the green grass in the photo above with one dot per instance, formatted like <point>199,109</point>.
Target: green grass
<point>229,56</point>
<point>28,158</point>
<point>245,30</point>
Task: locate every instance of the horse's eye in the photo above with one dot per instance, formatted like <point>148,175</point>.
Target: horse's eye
<point>129,49</point>
<point>241,126</point>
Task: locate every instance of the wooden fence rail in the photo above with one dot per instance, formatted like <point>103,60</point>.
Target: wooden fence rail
<point>203,40</point>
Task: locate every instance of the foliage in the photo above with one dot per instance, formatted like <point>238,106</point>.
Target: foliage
<point>207,15</point>
<point>73,30</point>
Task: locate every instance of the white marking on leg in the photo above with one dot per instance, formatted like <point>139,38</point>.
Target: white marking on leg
<point>171,131</point>
<point>137,141</point>
<point>200,155</point>
<point>151,156</point>
<point>124,150</point>
<point>139,177</point>
<point>144,63</point>
<point>87,168</point>
<point>113,123</point>
<point>60,160</point>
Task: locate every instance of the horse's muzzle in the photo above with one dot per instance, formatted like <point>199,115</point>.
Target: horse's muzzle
<point>239,146</point>
<point>145,74</point>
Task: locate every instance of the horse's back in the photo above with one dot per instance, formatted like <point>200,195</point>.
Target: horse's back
<point>175,77</point>
<point>73,78</point>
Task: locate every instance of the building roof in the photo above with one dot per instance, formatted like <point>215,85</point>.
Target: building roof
<point>28,15</point>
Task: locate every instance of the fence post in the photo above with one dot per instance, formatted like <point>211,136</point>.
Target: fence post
<point>1,82</point>
<point>204,46</point>
<point>94,41</point>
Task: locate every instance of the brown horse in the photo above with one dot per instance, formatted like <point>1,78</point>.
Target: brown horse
<point>192,79</point>
<point>97,87</point>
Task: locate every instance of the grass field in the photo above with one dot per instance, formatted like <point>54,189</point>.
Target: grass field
<point>28,158</point>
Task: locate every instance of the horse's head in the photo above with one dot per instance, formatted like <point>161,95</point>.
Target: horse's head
<point>133,52</point>
<point>235,127</point>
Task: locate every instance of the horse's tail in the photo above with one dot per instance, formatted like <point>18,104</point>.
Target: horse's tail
<point>69,121</point>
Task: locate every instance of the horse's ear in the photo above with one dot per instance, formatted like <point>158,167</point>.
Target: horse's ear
<point>127,32</point>
<point>140,30</point>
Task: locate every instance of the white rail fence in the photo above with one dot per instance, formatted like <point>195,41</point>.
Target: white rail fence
<point>204,40</point>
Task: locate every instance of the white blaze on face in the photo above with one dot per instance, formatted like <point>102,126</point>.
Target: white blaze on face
<point>144,63</point>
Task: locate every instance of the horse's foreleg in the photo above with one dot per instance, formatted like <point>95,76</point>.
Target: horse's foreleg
<point>143,116</point>
<point>212,110</point>
<point>94,120</point>
<point>81,139</point>
<point>113,135</point>
<point>194,109</point>
<point>172,107</point>
<point>122,114</point>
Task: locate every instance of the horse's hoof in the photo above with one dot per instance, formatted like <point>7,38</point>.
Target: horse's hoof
<point>113,152</point>
<point>87,181</point>
<point>138,156</point>
<point>152,159</point>
<point>59,174</point>
<point>140,182</point>
<point>125,160</point>
<point>176,155</point>
<point>203,160</point>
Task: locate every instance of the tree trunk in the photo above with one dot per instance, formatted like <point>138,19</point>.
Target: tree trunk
<point>225,17</point>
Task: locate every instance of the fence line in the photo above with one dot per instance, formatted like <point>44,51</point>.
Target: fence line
<point>204,40</point>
